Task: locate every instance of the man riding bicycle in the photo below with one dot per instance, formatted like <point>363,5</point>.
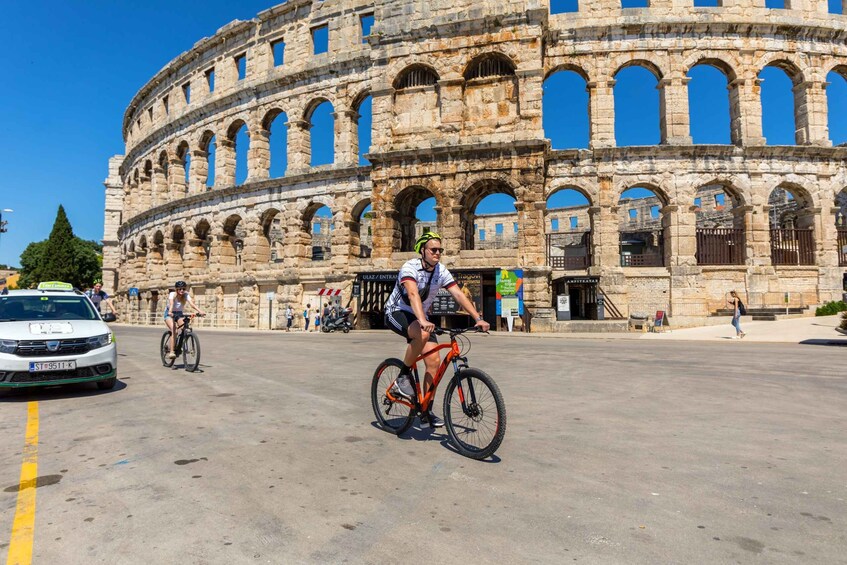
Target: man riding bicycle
<point>174,311</point>
<point>406,314</point>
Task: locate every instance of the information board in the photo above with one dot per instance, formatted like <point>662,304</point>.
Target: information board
<point>471,286</point>
<point>509,285</point>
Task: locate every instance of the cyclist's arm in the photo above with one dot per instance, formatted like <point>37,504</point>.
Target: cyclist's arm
<point>415,301</point>
<point>468,306</point>
<point>111,306</point>
<point>196,309</point>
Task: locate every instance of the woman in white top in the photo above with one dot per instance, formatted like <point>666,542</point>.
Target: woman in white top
<point>174,310</point>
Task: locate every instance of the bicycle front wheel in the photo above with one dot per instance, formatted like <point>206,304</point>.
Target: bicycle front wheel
<point>392,417</point>
<point>191,352</point>
<point>165,348</point>
<point>474,414</point>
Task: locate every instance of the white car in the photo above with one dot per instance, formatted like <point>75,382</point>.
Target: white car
<point>53,336</point>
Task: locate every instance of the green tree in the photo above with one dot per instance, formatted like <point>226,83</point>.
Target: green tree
<point>61,257</point>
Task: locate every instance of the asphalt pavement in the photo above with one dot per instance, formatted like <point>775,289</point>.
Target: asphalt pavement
<point>650,450</point>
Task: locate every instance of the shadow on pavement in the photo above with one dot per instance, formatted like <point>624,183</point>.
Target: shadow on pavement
<point>835,342</point>
<point>57,392</point>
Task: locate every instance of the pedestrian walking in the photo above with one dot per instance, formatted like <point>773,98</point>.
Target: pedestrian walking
<point>317,321</point>
<point>738,310</point>
<point>289,317</point>
<point>307,314</point>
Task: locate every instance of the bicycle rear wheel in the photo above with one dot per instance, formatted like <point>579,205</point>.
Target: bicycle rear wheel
<point>191,352</point>
<point>477,428</point>
<point>392,417</point>
<point>165,348</point>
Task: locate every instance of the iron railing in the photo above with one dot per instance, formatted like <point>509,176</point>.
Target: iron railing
<point>720,246</point>
<point>792,247</point>
<point>569,250</point>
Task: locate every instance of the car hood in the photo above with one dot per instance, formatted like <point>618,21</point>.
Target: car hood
<point>64,329</point>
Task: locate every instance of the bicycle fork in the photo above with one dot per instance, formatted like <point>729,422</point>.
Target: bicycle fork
<point>466,392</point>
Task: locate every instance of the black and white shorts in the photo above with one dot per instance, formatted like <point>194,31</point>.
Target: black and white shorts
<point>399,322</point>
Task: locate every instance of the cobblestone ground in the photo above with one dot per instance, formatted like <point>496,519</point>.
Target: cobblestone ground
<point>616,452</point>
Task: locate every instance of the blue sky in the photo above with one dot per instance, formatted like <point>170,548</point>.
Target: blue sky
<point>72,66</point>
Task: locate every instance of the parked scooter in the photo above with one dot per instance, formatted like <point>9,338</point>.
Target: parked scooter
<point>339,323</point>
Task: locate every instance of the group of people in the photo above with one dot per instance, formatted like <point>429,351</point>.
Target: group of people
<point>331,311</point>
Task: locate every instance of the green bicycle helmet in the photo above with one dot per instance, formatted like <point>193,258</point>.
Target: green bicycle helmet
<point>426,236</point>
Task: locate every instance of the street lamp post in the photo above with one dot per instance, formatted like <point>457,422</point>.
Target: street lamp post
<point>2,222</point>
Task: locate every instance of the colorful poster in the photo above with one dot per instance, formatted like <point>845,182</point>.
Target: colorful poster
<point>471,286</point>
<point>509,285</point>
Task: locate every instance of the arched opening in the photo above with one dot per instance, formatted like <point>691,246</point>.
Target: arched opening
<point>564,95</point>
<point>792,220</point>
<point>496,221</point>
<point>157,256</point>
<point>485,205</point>
<point>208,144</point>
<point>239,136</point>
<point>176,252</point>
<point>320,228</point>
<point>720,226</point>
<point>779,102</point>
<point>641,230</point>
<point>270,249</point>
<point>637,107</point>
<point>708,105</point>
<point>361,232</point>
<point>147,196</point>
<point>203,252</point>
<point>416,100</point>
<point>491,92</point>
<point>162,177</point>
<point>416,212</point>
<point>322,134</point>
<point>836,97</point>
<point>364,125</point>
<point>567,228</point>
<point>276,124</point>
<point>181,177</point>
<point>232,244</point>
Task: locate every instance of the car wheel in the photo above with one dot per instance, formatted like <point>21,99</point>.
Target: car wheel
<point>108,384</point>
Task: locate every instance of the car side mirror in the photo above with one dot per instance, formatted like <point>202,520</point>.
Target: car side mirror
<point>110,317</point>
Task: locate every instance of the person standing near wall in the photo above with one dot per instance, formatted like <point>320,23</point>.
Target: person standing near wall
<point>289,317</point>
<point>307,314</point>
<point>738,310</point>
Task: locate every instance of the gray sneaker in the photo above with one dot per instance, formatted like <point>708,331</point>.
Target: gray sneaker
<point>403,388</point>
<point>430,420</point>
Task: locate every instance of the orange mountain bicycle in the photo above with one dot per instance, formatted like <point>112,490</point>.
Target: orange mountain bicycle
<point>474,411</point>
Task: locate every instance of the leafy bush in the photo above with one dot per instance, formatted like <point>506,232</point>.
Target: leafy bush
<point>831,308</point>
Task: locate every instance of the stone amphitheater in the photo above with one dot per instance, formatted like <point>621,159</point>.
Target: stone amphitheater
<point>456,95</point>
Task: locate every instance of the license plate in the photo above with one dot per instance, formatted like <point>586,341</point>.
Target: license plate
<point>36,367</point>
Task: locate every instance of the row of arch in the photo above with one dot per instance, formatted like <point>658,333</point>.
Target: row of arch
<point>262,236</point>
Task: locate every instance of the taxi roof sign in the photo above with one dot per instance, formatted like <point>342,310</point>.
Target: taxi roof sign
<point>55,285</point>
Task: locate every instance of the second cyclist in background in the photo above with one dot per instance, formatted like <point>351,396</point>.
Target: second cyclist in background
<point>406,314</point>
<point>177,300</point>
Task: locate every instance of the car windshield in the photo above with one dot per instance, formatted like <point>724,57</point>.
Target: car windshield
<point>37,308</point>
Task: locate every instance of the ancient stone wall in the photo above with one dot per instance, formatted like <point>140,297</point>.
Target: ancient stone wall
<point>456,95</point>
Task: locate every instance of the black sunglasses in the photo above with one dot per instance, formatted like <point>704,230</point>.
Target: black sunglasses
<point>435,249</point>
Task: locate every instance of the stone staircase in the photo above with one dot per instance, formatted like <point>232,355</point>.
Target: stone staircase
<point>766,314</point>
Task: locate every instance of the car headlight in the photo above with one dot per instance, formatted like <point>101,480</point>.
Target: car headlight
<point>100,340</point>
<point>8,345</point>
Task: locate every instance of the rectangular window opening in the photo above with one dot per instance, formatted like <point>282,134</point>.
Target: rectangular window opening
<point>482,235</point>
<point>210,79</point>
<point>150,114</point>
<point>367,21</point>
<point>515,227</point>
<point>720,200</point>
<point>186,92</point>
<point>698,202</point>
<point>241,66</point>
<point>633,214</point>
<point>498,229</point>
<point>320,40</point>
<point>776,4</point>
<point>574,222</point>
<point>166,105</point>
<point>654,212</point>
<point>278,48</point>
<point>708,3</point>
<point>564,6</point>
<point>635,3</point>
<point>554,224</point>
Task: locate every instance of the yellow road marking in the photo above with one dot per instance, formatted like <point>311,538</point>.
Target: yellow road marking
<point>23,527</point>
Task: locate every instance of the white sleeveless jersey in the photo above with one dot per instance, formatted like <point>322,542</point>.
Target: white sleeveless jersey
<point>414,270</point>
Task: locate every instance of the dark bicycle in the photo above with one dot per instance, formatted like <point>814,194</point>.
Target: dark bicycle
<point>186,344</point>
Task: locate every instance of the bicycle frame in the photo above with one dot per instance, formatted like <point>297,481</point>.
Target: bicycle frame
<point>183,329</point>
<point>453,356</point>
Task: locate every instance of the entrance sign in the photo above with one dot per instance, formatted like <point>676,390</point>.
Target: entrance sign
<point>509,286</point>
<point>659,321</point>
<point>471,286</point>
<point>563,307</point>
<point>357,289</point>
